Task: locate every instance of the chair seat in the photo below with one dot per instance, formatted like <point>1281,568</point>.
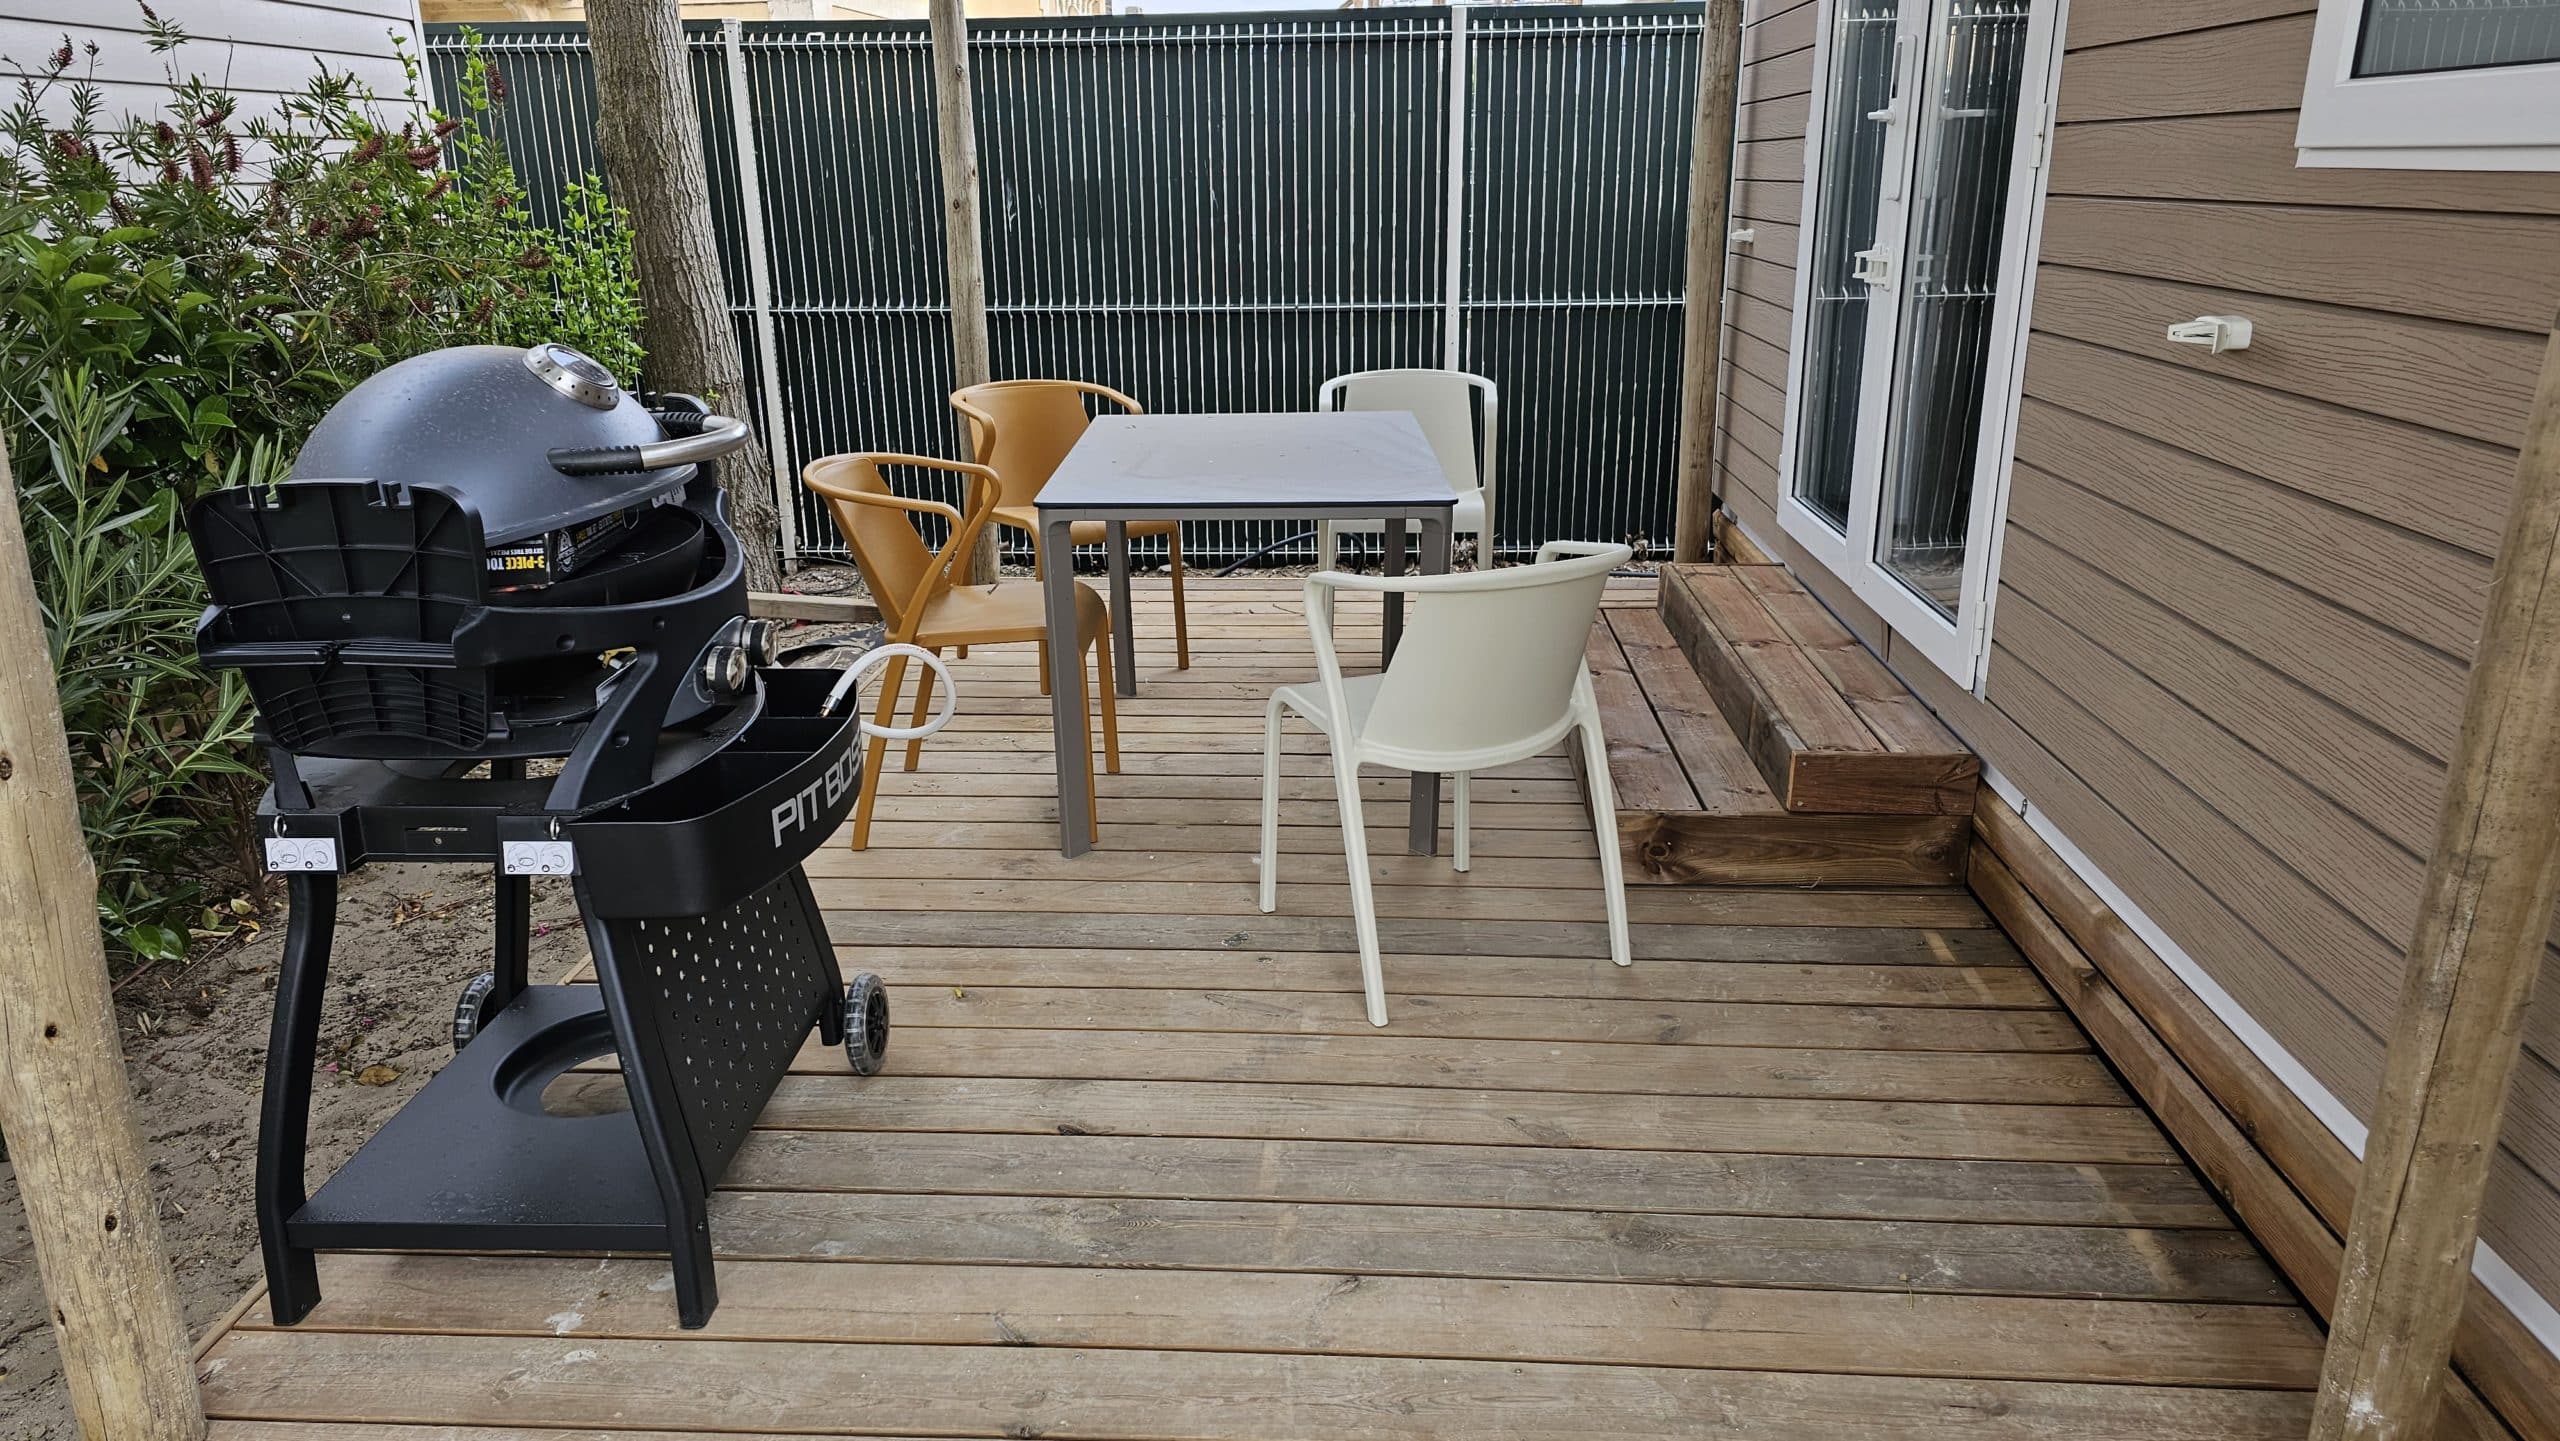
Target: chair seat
<point>1466,519</point>
<point>1359,693</point>
<point>995,614</point>
<point>1083,532</point>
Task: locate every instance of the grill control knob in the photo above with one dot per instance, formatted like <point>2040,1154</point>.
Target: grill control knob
<point>763,642</point>
<point>726,670</point>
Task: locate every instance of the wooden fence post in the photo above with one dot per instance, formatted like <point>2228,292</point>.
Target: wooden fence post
<point>1710,219</point>
<point>64,1101</point>
<point>2472,960</point>
<point>963,244</point>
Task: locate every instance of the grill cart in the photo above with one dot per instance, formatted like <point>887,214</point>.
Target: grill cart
<point>497,618</point>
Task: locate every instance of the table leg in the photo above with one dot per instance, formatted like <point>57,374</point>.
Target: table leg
<point>1066,687</point>
<point>1424,823</point>
<point>1392,623</point>
<point>1124,620</point>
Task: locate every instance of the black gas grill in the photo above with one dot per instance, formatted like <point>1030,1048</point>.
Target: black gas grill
<point>497,617</point>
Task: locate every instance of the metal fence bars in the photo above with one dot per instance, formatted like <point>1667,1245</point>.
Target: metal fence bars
<point>1208,213</point>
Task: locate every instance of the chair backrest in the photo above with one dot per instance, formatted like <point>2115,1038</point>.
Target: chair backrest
<point>876,524</point>
<point>1443,400</point>
<point>1490,658</point>
<point>1021,429</point>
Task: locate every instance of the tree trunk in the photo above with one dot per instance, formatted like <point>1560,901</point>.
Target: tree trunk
<point>963,245</point>
<point>63,1095</point>
<point>651,141</point>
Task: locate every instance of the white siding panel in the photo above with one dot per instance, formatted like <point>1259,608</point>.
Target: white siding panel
<point>257,49</point>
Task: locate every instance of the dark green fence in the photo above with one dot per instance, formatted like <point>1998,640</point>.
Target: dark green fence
<point>1210,212</point>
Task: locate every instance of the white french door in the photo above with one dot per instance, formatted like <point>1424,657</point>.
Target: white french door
<point>1924,159</point>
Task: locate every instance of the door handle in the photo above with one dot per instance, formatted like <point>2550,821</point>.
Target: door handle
<point>1875,267</point>
<point>1892,111</point>
<point>1893,114</point>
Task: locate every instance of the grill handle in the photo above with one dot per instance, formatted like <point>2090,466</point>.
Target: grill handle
<point>694,437</point>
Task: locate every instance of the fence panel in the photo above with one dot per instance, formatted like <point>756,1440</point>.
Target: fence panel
<point>1577,205</point>
<point>1211,213</point>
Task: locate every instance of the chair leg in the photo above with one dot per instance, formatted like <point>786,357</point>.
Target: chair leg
<point>1110,705</point>
<point>1604,826</point>
<point>1328,552</point>
<point>1181,612</point>
<point>1459,820</point>
<point>1092,797</point>
<point>1364,906</point>
<point>1271,808</point>
<point>924,707</point>
<point>876,752</point>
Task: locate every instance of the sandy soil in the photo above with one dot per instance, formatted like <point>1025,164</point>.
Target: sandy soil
<point>195,1046</point>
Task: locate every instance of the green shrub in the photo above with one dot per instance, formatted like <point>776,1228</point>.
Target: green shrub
<point>182,296</point>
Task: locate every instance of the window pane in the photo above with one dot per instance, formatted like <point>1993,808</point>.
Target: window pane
<point>1967,122</point>
<point>2402,37</point>
<point>1844,223</point>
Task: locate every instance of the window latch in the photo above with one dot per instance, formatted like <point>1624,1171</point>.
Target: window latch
<point>1875,267</point>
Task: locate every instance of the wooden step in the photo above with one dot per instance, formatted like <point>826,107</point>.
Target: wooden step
<point>1693,808</point>
<point>1825,724</point>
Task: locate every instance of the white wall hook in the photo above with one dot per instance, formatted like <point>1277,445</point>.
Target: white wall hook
<point>2217,333</point>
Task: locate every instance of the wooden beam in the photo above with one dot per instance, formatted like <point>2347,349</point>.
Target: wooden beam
<point>1702,329</point>
<point>2472,962</point>
<point>833,609</point>
<point>64,1100</point>
<point>963,242</point>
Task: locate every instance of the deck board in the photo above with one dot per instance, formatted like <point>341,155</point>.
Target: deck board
<point>1818,1165</point>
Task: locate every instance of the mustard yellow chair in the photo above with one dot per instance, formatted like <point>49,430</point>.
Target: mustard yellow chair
<point>1021,429</point>
<point>921,603</point>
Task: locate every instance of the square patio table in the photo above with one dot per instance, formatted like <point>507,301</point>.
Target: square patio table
<point>1313,465</point>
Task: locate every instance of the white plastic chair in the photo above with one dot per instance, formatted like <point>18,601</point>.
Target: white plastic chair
<point>1444,401</point>
<point>1490,671</point>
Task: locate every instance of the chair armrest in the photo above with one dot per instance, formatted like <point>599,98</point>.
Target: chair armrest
<point>1554,548</point>
<point>1126,402</point>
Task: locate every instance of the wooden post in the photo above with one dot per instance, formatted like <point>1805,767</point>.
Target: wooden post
<point>64,1100</point>
<point>2478,944</point>
<point>963,246</point>
<point>1710,219</point>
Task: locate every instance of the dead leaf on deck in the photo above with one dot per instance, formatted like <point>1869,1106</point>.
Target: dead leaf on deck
<point>377,1074</point>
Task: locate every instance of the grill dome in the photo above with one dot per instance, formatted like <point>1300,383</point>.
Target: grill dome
<point>481,421</point>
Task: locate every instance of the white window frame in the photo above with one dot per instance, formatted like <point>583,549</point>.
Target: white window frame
<point>2499,117</point>
<point>1960,646</point>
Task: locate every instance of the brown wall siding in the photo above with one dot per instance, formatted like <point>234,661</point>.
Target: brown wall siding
<point>2239,593</point>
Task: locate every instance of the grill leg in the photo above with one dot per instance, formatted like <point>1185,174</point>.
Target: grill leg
<point>514,941</point>
<point>284,1111</point>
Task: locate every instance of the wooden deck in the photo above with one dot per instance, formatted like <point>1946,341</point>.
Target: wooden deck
<point>1819,1165</point>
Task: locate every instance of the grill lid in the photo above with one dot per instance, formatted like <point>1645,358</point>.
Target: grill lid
<point>482,420</point>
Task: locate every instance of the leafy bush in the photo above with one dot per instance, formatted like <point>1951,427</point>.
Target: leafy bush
<point>182,296</point>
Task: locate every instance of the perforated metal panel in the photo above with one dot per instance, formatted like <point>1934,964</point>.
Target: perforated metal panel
<point>732,996</point>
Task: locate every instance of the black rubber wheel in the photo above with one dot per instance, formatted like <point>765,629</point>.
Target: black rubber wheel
<point>473,1008</point>
<point>866,1024</point>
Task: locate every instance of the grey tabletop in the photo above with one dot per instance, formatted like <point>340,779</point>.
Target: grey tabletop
<point>1189,464</point>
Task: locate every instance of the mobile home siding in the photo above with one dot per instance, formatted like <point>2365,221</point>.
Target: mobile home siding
<point>2238,593</point>
<point>258,49</point>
